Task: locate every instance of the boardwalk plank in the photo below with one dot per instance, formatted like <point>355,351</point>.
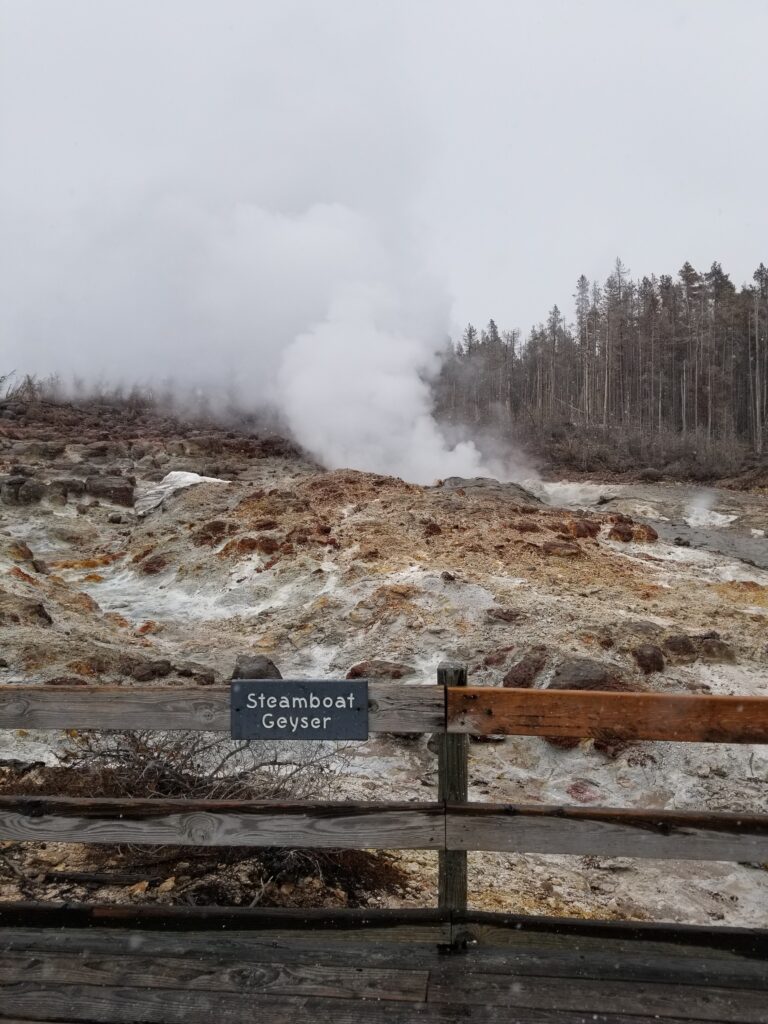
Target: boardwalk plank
<point>590,996</point>
<point>226,947</point>
<point>117,1005</point>
<point>642,961</point>
<point>356,981</point>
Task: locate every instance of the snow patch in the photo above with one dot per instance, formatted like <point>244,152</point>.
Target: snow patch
<point>707,517</point>
<point>172,482</point>
<point>568,493</point>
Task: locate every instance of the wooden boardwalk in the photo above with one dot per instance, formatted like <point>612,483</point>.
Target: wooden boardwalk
<point>587,973</point>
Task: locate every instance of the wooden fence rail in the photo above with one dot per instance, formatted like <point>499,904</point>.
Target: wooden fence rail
<point>356,826</point>
<point>476,710</point>
<point>680,835</point>
<point>392,708</point>
<point>691,718</point>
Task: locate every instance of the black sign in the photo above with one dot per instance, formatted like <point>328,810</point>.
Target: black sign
<point>292,709</point>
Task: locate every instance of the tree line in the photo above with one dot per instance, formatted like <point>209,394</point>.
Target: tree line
<point>660,365</point>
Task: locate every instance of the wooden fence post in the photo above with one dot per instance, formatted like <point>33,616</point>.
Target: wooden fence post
<point>453,782</point>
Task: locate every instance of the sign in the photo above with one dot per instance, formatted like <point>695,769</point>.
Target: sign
<point>292,709</point>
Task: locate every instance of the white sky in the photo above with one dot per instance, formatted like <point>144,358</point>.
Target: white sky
<point>501,149</point>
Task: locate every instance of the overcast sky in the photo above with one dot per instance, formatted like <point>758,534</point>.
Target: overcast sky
<point>501,148</point>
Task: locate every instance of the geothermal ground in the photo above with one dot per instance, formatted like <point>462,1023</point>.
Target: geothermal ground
<point>112,571</point>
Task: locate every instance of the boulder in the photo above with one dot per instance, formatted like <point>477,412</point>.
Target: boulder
<point>484,485</point>
<point>68,487</point>
<point>379,670</point>
<point>265,545</point>
<point>9,488</point>
<point>154,565</point>
<point>644,533</point>
<point>583,528</point>
<point>57,494</point>
<point>19,551</point>
<point>561,549</point>
<point>524,672</point>
<point>588,674</point>
<point>680,646</point>
<point>199,674</point>
<point>255,666</point>
<point>22,611</point>
<point>116,489</point>
<point>213,532</point>
<point>705,647</point>
<point>711,647</point>
<point>621,531</point>
<point>649,658</point>
<point>505,614</point>
<point>31,492</point>
<point>145,671</point>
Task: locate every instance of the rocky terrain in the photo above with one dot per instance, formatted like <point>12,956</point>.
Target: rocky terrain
<point>119,565</point>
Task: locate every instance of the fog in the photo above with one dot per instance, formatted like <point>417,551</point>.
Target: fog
<point>296,203</point>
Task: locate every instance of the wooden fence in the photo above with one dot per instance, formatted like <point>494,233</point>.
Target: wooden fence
<point>452,711</point>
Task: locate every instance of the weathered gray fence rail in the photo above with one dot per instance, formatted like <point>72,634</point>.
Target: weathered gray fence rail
<point>392,708</point>
<point>683,835</point>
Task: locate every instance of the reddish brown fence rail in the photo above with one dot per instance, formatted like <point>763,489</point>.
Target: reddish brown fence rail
<point>630,716</point>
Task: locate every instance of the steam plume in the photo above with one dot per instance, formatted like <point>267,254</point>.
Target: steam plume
<point>280,269</point>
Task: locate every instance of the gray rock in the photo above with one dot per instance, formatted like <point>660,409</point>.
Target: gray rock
<point>23,611</point>
<point>116,489</point>
<point>144,671</point>
<point>587,674</point>
<point>9,488</point>
<point>17,550</point>
<point>60,490</point>
<point>200,674</point>
<point>490,486</point>
<point>649,658</point>
<point>380,670</point>
<point>38,449</point>
<point>31,492</point>
<point>255,666</point>
<point>524,672</point>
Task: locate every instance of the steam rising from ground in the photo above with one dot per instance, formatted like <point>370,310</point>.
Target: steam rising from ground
<point>700,513</point>
<point>311,317</point>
